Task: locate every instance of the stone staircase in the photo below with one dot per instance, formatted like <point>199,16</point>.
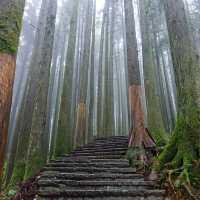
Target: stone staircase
<point>96,171</point>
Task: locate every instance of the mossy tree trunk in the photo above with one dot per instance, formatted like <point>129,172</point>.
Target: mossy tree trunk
<point>139,137</point>
<point>11,13</point>
<point>39,138</point>
<point>37,64</point>
<point>183,147</point>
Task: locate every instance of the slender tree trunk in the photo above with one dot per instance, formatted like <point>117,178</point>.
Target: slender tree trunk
<point>108,118</point>
<point>11,13</point>
<point>100,76</point>
<point>92,76</point>
<point>139,137</point>
<point>64,137</point>
<point>155,123</point>
<point>39,138</point>
<point>81,136</point>
<point>24,122</point>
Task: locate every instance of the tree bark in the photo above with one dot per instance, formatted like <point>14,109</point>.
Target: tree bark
<point>81,135</point>
<point>92,76</point>
<point>155,123</point>
<point>100,76</point>
<point>24,122</point>
<point>39,137</point>
<point>64,142</point>
<point>139,137</point>
<point>11,13</point>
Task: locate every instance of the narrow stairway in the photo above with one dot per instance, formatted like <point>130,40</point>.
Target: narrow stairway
<point>96,171</point>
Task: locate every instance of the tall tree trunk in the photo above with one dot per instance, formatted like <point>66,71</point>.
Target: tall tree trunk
<point>100,76</point>
<point>81,136</point>
<point>108,117</point>
<point>11,13</point>
<point>24,122</point>
<point>64,137</point>
<point>92,76</point>
<point>155,123</point>
<point>183,147</point>
<point>39,139</point>
<point>139,137</point>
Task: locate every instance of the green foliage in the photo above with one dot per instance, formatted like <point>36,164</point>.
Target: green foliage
<point>161,137</point>
<point>18,173</point>
<point>8,194</point>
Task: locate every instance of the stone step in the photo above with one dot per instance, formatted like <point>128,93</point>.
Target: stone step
<point>89,150</point>
<point>125,182</point>
<point>85,176</point>
<point>97,164</point>
<point>109,143</point>
<point>83,160</point>
<point>103,148</point>
<point>115,136</point>
<point>93,157</point>
<point>90,170</point>
<point>98,153</point>
<point>62,187</point>
<point>105,198</point>
<point>121,141</point>
<point>101,193</point>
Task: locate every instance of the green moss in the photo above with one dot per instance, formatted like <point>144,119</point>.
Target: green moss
<point>18,173</point>
<point>182,151</point>
<point>33,166</point>
<point>161,137</point>
<point>10,26</point>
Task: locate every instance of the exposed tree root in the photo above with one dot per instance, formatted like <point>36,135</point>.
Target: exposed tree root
<point>141,143</point>
<point>180,158</point>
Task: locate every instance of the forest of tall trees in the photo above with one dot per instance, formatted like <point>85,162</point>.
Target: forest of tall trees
<point>81,74</point>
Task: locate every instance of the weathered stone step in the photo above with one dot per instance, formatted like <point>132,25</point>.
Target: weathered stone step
<point>110,141</point>
<point>97,183</point>
<point>84,176</point>
<point>90,169</point>
<point>120,143</point>
<point>98,164</point>
<point>61,188</point>
<point>115,137</point>
<point>104,198</point>
<point>98,153</point>
<point>102,193</point>
<point>93,157</point>
<point>89,150</point>
<point>102,148</point>
<point>83,160</point>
